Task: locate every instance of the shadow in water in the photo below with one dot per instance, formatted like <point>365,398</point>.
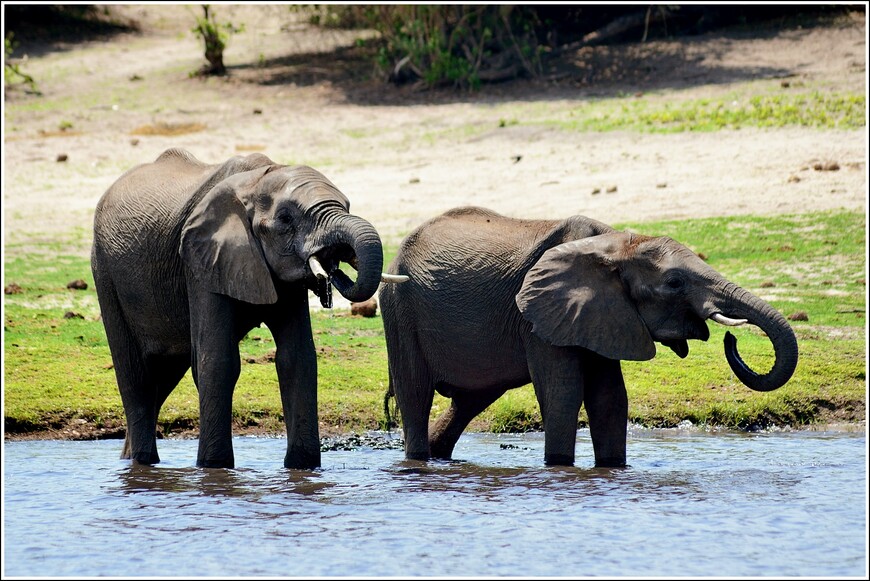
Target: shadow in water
<point>219,482</point>
<point>468,477</point>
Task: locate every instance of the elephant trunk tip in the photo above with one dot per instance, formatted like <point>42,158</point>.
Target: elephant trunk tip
<point>782,371</point>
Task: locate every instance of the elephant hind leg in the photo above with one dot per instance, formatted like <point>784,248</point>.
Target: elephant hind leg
<point>131,374</point>
<point>414,394</point>
<point>410,380</point>
<point>159,376</point>
<point>143,382</point>
<point>464,407</point>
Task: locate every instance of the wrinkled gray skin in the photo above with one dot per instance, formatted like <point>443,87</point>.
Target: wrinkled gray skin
<point>495,303</point>
<point>189,257</point>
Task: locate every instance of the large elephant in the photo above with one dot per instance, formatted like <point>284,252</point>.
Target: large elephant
<point>189,257</point>
<point>495,303</point>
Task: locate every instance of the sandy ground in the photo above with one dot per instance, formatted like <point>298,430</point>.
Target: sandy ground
<point>402,156</point>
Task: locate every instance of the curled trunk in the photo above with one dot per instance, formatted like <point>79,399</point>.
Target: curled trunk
<point>351,239</point>
<point>747,306</point>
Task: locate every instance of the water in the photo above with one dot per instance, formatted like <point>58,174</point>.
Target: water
<point>690,504</point>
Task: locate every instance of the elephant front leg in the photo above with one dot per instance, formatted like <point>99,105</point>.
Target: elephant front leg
<point>216,379</point>
<point>606,404</point>
<point>216,368</point>
<point>558,382</point>
<point>296,364</point>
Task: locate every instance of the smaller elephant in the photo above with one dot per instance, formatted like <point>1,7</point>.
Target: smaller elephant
<point>188,257</point>
<point>495,303</point>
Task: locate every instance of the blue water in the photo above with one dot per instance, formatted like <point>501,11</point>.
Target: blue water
<point>691,504</point>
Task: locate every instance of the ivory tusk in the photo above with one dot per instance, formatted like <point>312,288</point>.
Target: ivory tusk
<point>394,278</point>
<point>723,320</point>
<point>317,268</point>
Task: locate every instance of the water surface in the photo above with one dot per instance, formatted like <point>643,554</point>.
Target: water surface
<point>691,504</point>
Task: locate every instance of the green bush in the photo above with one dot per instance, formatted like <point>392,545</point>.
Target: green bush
<point>459,45</point>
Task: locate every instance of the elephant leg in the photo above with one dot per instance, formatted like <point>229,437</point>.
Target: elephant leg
<point>411,382</point>
<point>414,394</point>
<point>138,392</point>
<point>464,407</point>
<point>216,365</point>
<point>410,378</point>
<point>162,375</point>
<point>606,404</point>
<point>296,364</point>
<point>558,381</point>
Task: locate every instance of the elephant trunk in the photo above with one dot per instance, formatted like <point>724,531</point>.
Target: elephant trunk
<point>745,305</point>
<point>353,240</point>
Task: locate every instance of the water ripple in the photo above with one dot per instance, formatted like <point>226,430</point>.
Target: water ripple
<point>691,503</point>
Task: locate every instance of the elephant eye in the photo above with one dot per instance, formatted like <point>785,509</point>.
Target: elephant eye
<point>675,282</point>
<point>284,217</point>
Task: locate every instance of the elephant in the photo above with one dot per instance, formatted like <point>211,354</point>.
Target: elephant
<point>188,257</point>
<point>495,303</point>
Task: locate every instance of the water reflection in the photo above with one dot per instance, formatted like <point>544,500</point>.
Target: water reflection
<point>218,482</point>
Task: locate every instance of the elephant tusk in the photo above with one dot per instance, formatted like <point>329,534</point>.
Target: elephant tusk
<point>385,277</point>
<point>317,268</point>
<point>394,278</point>
<point>723,320</point>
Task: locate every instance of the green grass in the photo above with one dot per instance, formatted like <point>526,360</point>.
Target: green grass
<point>805,109</point>
<point>57,368</point>
<point>758,106</point>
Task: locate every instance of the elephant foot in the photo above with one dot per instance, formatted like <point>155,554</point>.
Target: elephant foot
<point>558,460</point>
<point>145,458</point>
<point>302,461</point>
<point>441,451</point>
<point>222,461</point>
<point>416,455</point>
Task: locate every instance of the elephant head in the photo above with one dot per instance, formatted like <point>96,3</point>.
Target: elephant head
<point>617,293</point>
<point>280,223</point>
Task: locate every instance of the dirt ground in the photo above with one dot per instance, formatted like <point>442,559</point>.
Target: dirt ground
<point>403,156</point>
<point>303,95</point>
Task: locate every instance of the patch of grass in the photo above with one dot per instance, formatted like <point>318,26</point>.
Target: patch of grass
<point>756,106</point>
<point>58,368</point>
<point>803,109</point>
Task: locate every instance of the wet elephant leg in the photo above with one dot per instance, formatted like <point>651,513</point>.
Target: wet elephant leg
<point>606,405</point>
<point>557,377</point>
<point>414,393</point>
<point>164,373</point>
<point>464,407</point>
<point>216,368</point>
<point>138,392</point>
<point>296,364</point>
<point>411,382</point>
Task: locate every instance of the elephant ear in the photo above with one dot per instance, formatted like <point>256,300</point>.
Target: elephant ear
<point>573,296</point>
<point>220,249</point>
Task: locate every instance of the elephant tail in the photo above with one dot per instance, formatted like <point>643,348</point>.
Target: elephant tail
<point>391,411</point>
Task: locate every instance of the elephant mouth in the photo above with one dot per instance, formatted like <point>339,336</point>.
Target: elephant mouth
<point>325,272</point>
<point>678,346</point>
<point>696,329</point>
<point>681,346</point>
